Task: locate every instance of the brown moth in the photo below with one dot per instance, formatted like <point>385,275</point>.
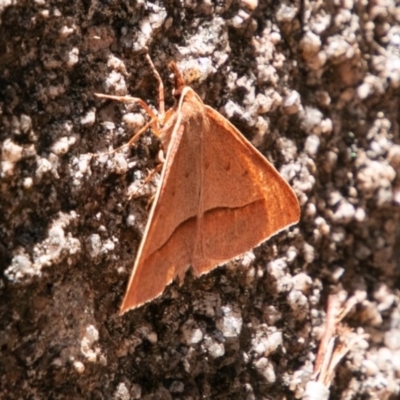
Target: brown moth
<point>218,196</point>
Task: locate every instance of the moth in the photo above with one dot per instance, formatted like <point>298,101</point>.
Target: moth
<point>218,196</point>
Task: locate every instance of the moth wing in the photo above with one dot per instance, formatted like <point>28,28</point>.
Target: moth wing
<point>218,198</point>
<point>244,198</point>
<point>168,242</point>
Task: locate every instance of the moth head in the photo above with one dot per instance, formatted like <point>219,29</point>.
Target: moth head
<point>179,81</point>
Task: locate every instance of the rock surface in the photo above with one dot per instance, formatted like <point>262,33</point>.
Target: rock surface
<point>314,85</point>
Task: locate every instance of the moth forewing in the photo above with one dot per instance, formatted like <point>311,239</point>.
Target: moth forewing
<point>218,197</point>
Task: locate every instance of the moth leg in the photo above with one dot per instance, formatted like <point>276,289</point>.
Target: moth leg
<point>132,140</point>
<point>152,173</point>
<point>153,123</point>
<point>147,180</point>
<point>161,112</point>
<point>158,168</point>
<point>154,119</point>
<point>161,98</point>
<point>129,100</point>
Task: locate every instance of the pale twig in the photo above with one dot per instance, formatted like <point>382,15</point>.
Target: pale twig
<point>336,342</point>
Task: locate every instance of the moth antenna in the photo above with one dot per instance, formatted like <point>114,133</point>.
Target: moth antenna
<point>179,81</point>
<point>161,102</point>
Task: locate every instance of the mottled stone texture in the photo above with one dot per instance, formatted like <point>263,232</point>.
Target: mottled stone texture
<point>314,85</point>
